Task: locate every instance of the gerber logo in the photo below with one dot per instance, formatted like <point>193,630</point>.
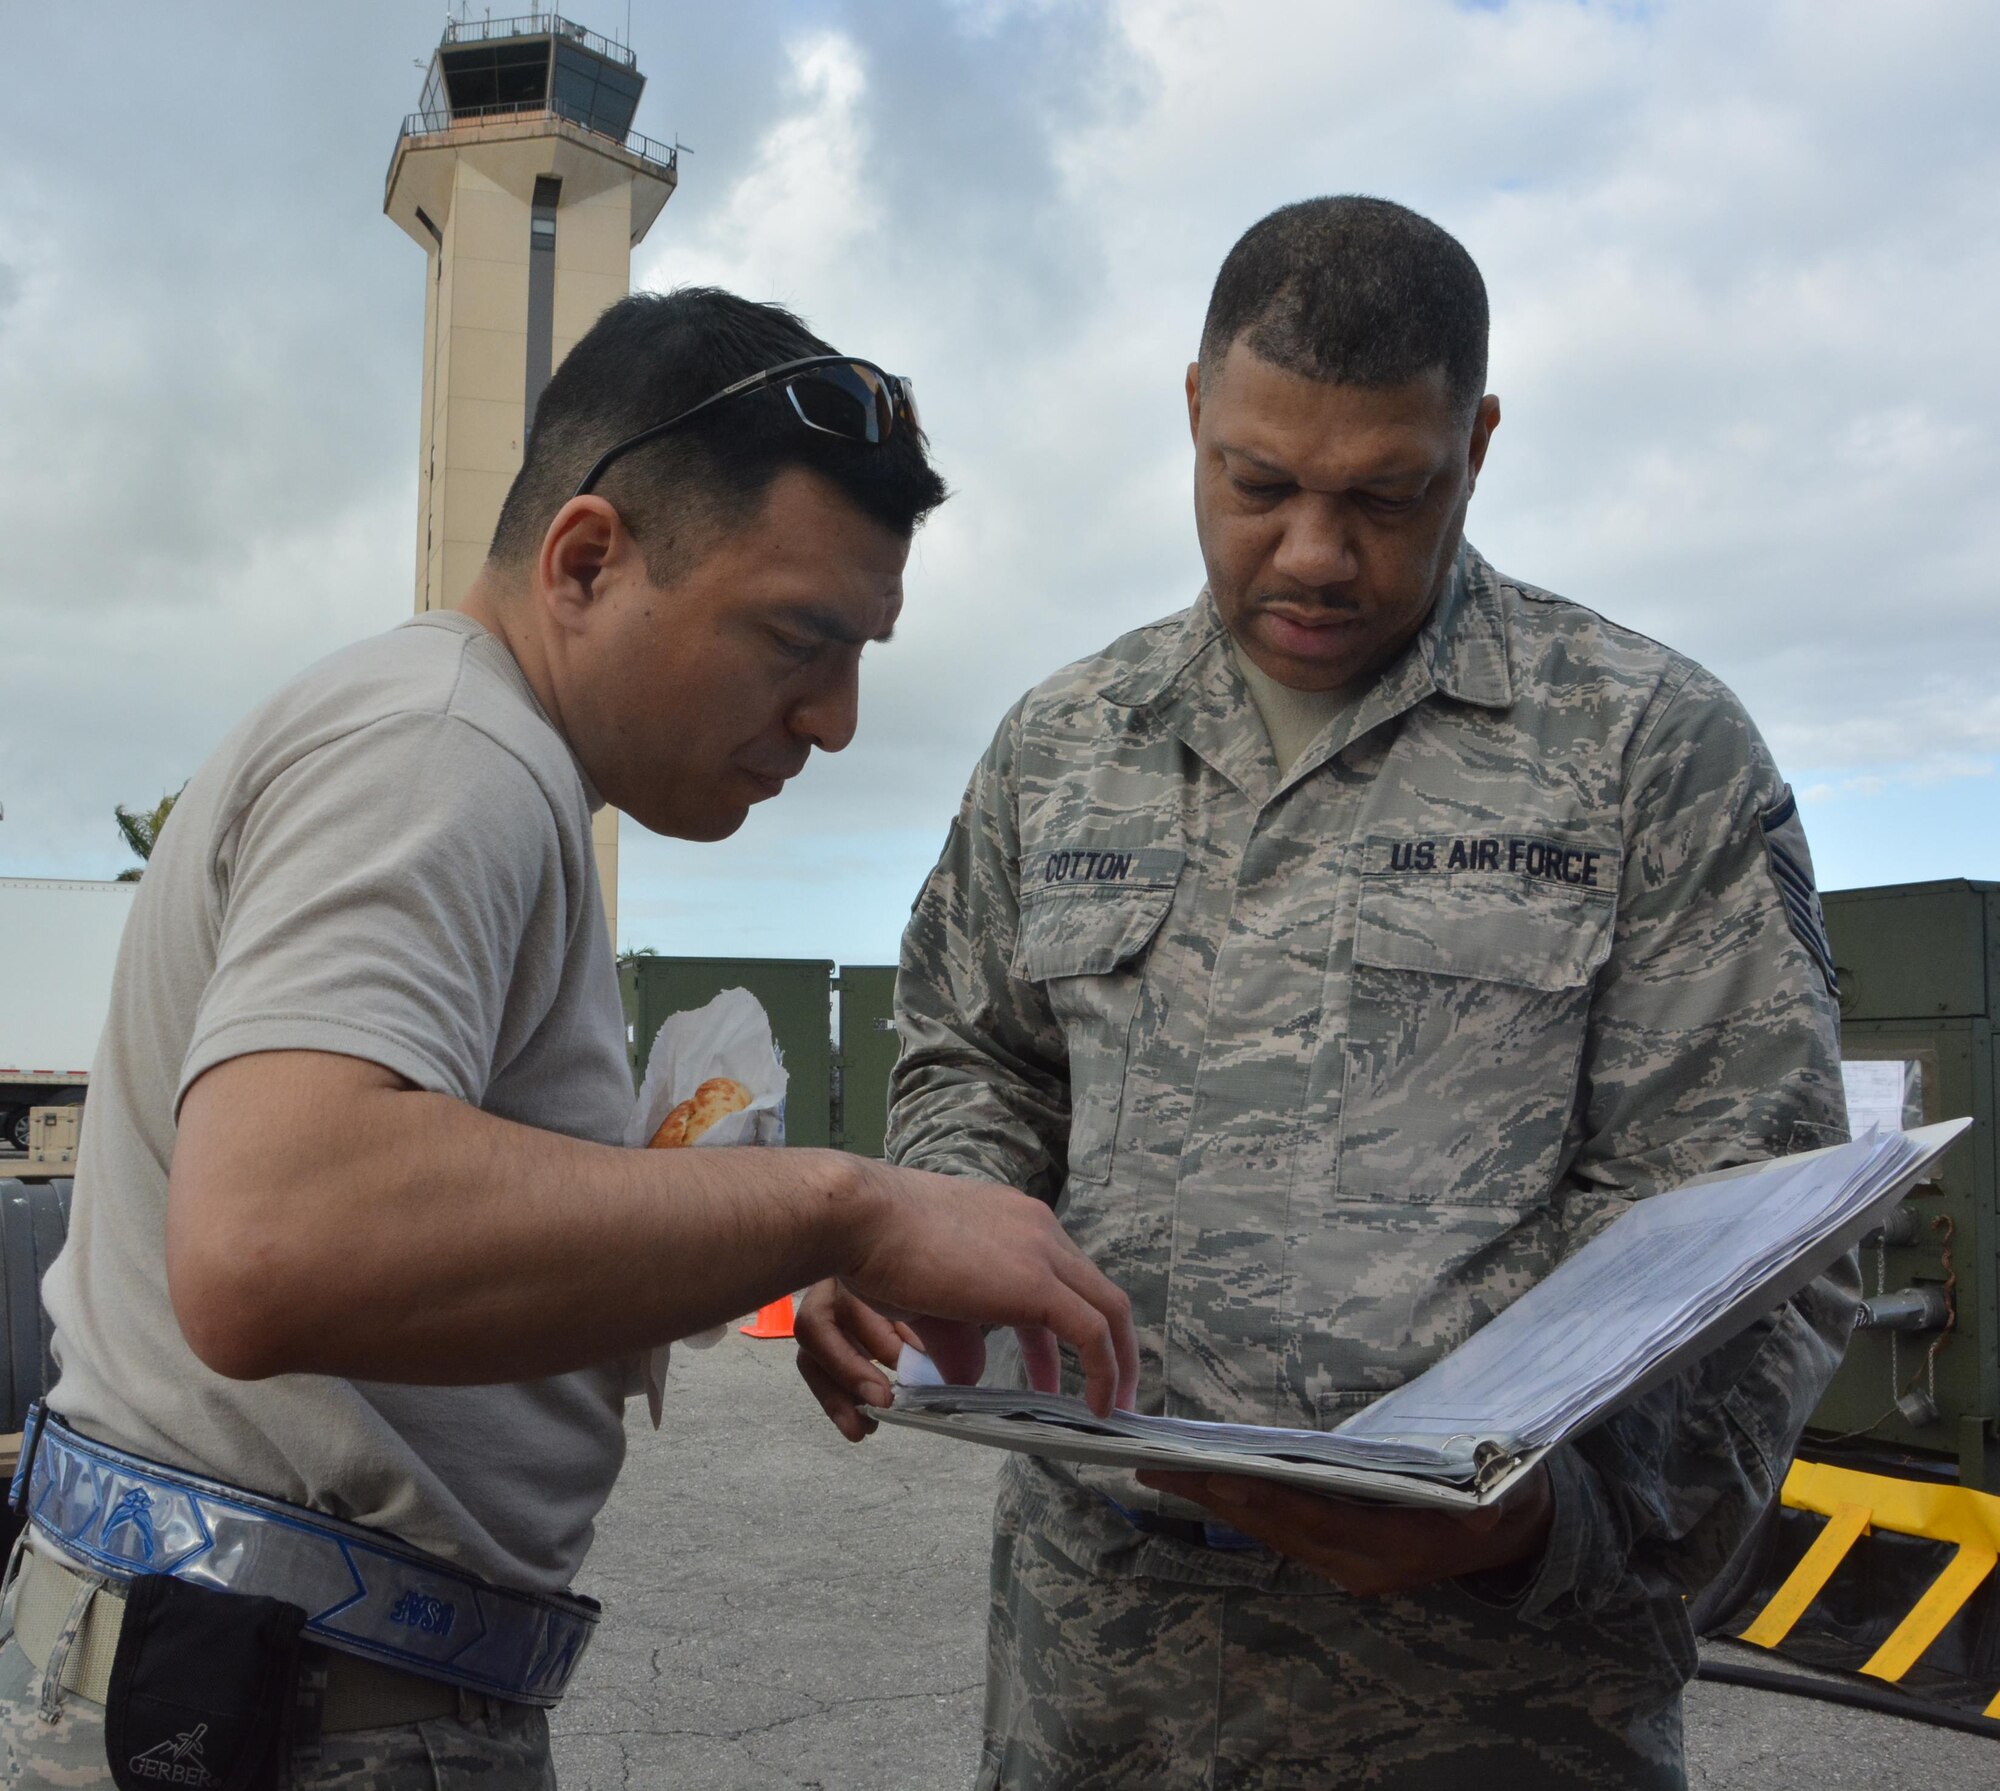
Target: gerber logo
<point>175,1762</point>
<point>133,1512</point>
<point>420,1611</point>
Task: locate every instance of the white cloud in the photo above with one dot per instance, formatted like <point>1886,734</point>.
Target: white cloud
<point>1741,259</point>
<point>799,212</point>
<point>1738,270</point>
<point>193,505</point>
<point>1924,774</point>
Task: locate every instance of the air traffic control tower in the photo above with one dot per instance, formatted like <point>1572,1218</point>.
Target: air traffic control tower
<point>522,180</point>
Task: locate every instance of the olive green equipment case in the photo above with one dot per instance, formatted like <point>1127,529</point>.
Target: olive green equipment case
<point>1919,969</point>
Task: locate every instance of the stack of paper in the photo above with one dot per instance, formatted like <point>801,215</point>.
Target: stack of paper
<point>1665,1283</point>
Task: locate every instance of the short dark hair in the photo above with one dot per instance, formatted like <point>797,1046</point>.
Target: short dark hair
<point>654,354</point>
<point>1352,291</point>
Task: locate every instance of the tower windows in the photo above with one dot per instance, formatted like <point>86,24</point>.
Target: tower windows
<point>541,295</point>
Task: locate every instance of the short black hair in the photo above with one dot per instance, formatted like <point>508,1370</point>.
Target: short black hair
<point>1352,291</point>
<point>654,354</point>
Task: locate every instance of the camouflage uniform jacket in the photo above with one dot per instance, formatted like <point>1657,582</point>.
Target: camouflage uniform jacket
<point>1325,1070</point>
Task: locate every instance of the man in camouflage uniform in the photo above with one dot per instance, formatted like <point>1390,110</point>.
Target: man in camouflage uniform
<point>1336,955</point>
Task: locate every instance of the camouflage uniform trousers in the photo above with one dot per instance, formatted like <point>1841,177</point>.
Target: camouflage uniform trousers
<point>1100,1679</point>
<point>494,1747</point>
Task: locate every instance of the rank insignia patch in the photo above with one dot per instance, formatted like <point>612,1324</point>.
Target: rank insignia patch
<point>1791,869</point>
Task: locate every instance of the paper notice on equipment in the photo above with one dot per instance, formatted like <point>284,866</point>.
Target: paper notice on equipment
<point>1874,1093</point>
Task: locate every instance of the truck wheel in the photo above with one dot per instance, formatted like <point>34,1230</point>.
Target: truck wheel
<point>16,1125</point>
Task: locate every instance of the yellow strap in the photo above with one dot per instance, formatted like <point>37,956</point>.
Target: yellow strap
<point>1933,1509</point>
<point>1844,1527</point>
<point>1939,1512</point>
<point>1933,1611</point>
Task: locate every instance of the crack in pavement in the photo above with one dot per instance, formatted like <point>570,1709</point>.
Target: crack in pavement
<point>821,1707</point>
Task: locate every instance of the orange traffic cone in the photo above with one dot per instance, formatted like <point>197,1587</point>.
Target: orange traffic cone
<point>774,1320</point>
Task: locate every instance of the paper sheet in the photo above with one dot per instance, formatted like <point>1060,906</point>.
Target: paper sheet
<point>1664,1283</point>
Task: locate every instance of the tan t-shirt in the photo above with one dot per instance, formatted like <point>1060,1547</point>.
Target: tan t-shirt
<point>391,859</point>
<point>1294,719</point>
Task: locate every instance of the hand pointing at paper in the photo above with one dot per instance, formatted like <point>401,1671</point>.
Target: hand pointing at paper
<point>843,1340</point>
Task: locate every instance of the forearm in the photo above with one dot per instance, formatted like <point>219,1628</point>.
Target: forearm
<point>438,1244</point>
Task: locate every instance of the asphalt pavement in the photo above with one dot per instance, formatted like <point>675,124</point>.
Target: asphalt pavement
<point>789,1613</point>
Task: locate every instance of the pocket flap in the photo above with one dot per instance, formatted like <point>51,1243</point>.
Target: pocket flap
<point>1086,913</point>
<point>1532,933</point>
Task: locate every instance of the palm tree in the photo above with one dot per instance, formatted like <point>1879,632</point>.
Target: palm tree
<point>141,830</point>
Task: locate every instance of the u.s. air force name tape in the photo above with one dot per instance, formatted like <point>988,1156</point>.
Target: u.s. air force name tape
<point>364,1592</point>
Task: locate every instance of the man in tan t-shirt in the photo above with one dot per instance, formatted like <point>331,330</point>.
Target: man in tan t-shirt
<point>352,1229</point>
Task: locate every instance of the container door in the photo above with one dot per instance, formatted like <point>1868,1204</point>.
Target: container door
<point>867,1053</point>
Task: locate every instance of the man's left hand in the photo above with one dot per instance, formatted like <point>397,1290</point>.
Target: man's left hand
<point>1372,1550</point>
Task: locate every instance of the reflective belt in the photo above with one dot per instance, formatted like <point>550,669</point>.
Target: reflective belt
<point>363,1591</point>
<point>359,1693</point>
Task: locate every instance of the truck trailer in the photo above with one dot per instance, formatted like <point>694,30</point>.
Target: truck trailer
<point>58,947</point>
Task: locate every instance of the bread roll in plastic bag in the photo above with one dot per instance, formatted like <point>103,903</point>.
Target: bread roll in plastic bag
<point>729,1038</point>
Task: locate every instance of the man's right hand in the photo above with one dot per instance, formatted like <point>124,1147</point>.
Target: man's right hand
<point>323,1217</point>
<point>949,1254</point>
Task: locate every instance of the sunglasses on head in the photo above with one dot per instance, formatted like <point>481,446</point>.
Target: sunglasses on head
<point>833,393</point>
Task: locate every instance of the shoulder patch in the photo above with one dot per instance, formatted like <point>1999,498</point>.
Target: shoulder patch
<point>1791,869</point>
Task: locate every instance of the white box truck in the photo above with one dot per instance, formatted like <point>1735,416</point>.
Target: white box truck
<point>58,946</point>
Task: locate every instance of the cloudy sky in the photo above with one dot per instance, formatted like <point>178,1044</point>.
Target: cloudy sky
<point>1743,260</point>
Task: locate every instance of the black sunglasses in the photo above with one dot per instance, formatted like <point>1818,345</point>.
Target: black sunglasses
<point>833,393</point>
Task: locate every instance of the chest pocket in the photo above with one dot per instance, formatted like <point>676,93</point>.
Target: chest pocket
<point>1470,1002</point>
<point>1087,920</point>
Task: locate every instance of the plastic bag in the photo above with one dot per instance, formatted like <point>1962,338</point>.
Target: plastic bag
<point>731,1037</point>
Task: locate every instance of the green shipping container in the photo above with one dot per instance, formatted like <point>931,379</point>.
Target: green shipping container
<point>868,1047</point>
<point>1919,968</point>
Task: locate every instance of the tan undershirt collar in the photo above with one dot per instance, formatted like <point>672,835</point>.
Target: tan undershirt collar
<point>1293,719</point>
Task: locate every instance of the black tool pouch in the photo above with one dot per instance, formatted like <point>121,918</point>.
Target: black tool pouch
<point>201,1687</point>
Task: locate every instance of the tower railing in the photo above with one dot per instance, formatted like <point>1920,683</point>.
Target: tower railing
<point>536,24</point>
<point>663,157</point>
